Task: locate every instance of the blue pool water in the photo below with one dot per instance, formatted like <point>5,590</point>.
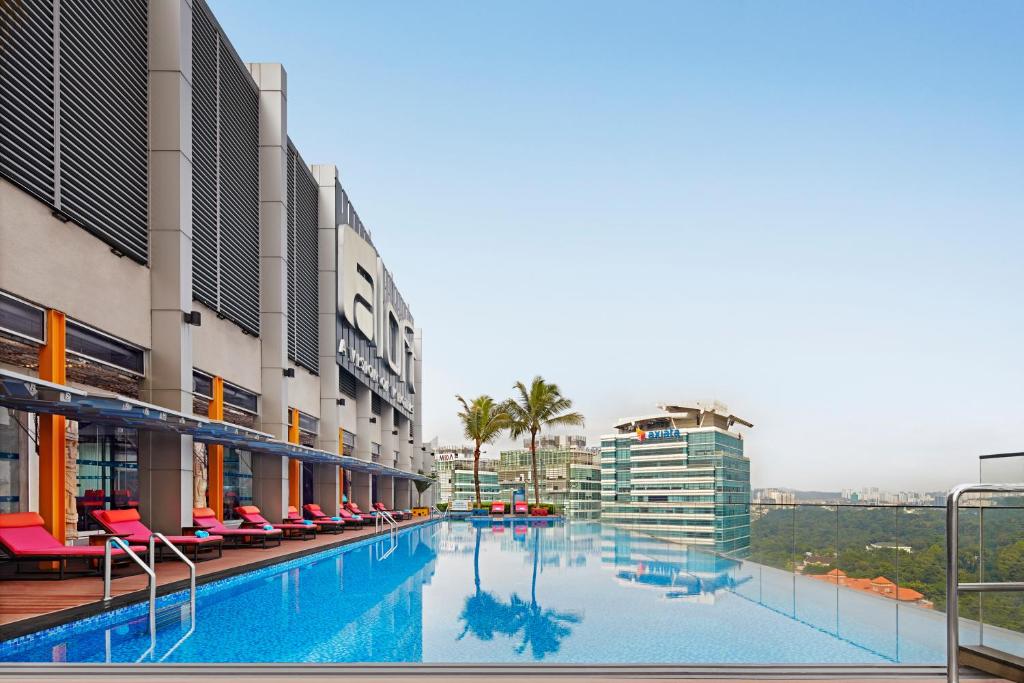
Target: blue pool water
<point>455,592</point>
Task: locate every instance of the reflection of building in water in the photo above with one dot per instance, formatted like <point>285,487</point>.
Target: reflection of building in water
<point>558,544</point>
<point>398,599</point>
<point>680,572</point>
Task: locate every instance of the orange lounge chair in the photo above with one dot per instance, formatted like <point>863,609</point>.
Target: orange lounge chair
<point>24,538</point>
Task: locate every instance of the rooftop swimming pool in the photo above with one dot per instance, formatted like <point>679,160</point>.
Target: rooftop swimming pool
<point>555,592</point>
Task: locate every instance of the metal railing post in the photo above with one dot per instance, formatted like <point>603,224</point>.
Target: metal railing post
<point>953,585</point>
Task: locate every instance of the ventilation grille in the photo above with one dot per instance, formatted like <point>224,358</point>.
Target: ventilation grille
<point>346,383</point>
<point>225,123</point>
<point>93,108</point>
<point>27,96</point>
<point>204,160</point>
<point>104,121</point>
<point>303,290</point>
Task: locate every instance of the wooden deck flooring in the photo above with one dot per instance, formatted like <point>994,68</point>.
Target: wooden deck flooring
<point>30,604</point>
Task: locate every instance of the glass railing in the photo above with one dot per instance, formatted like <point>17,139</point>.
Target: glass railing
<point>874,575</point>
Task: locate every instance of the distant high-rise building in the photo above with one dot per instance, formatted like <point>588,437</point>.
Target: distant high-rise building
<point>558,441</point>
<point>679,474</point>
<point>453,466</point>
<point>570,477</point>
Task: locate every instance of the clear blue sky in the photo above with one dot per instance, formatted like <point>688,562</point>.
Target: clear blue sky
<point>811,211</point>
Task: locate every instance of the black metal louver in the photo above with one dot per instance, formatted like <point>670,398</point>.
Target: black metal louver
<point>205,46</point>
<point>239,198</point>
<point>104,121</point>
<point>303,290</point>
<point>225,180</point>
<point>347,383</point>
<point>27,96</point>
<point>376,404</point>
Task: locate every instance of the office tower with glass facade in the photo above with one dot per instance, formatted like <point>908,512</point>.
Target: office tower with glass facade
<point>680,474</point>
<point>570,478</point>
<point>453,468</point>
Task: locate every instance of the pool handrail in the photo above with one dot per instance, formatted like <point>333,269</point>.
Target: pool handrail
<point>953,585</point>
<point>123,544</point>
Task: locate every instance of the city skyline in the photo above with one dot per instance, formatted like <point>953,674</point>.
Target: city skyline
<point>847,203</point>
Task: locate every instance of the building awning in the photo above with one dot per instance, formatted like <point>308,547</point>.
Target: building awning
<point>31,394</point>
<point>23,392</point>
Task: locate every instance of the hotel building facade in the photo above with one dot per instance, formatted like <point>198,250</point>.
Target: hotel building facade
<point>190,313</point>
<point>679,474</point>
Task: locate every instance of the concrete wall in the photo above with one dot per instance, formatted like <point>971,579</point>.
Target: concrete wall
<point>304,391</point>
<point>60,265</point>
<point>221,348</point>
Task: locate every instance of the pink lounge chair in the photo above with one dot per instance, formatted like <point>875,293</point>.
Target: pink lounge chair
<point>25,539</point>
<point>128,522</point>
<point>498,507</point>
<point>355,520</point>
<point>397,514</point>
<point>326,523</point>
<point>206,519</point>
<point>354,509</point>
<point>251,517</point>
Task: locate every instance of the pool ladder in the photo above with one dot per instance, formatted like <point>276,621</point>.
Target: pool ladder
<point>953,585</point>
<point>150,570</point>
<point>384,517</point>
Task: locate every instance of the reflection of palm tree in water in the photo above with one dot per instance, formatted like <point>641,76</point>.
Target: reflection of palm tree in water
<point>484,613</point>
<point>542,629</point>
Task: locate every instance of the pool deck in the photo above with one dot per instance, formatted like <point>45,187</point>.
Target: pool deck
<point>28,605</point>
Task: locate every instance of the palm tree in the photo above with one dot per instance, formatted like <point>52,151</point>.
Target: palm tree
<point>540,406</point>
<point>483,420</point>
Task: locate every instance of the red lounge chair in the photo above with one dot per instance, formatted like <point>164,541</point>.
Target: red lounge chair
<point>206,519</point>
<point>251,516</point>
<point>521,508</point>
<point>129,522</point>
<point>498,507</point>
<point>323,521</point>
<point>539,512</point>
<point>24,539</point>
<point>354,509</point>
<point>397,514</point>
<point>355,520</point>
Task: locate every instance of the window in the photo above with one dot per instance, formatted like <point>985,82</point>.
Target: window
<point>12,433</point>
<point>202,384</point>
<point>108,471</point>
<point>88,343</point>
<point>238,397</point>
<point>237,480</point>
<point>22,319</point>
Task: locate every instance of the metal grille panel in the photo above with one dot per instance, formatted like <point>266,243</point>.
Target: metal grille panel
<point>205,46</point>
<point>303,290</point>
<point>104,121</point>
<point>225,181</point>
<point>27,96</point>
<point>239,198</point>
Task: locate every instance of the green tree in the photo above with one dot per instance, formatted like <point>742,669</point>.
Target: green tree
<point>539,406</point>
<point>422,486</point>
<point>483,420</point>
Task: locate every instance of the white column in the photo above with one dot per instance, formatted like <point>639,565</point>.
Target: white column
<point>165,460</point>
<point>327,179</point>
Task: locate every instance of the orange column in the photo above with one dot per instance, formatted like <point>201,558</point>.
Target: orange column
<point>53,368</point>
<point>215,455</point>
<point>341,471</point>
<point>294,466</point>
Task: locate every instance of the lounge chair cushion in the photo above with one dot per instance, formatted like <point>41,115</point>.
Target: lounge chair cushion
<point>23,534</point>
